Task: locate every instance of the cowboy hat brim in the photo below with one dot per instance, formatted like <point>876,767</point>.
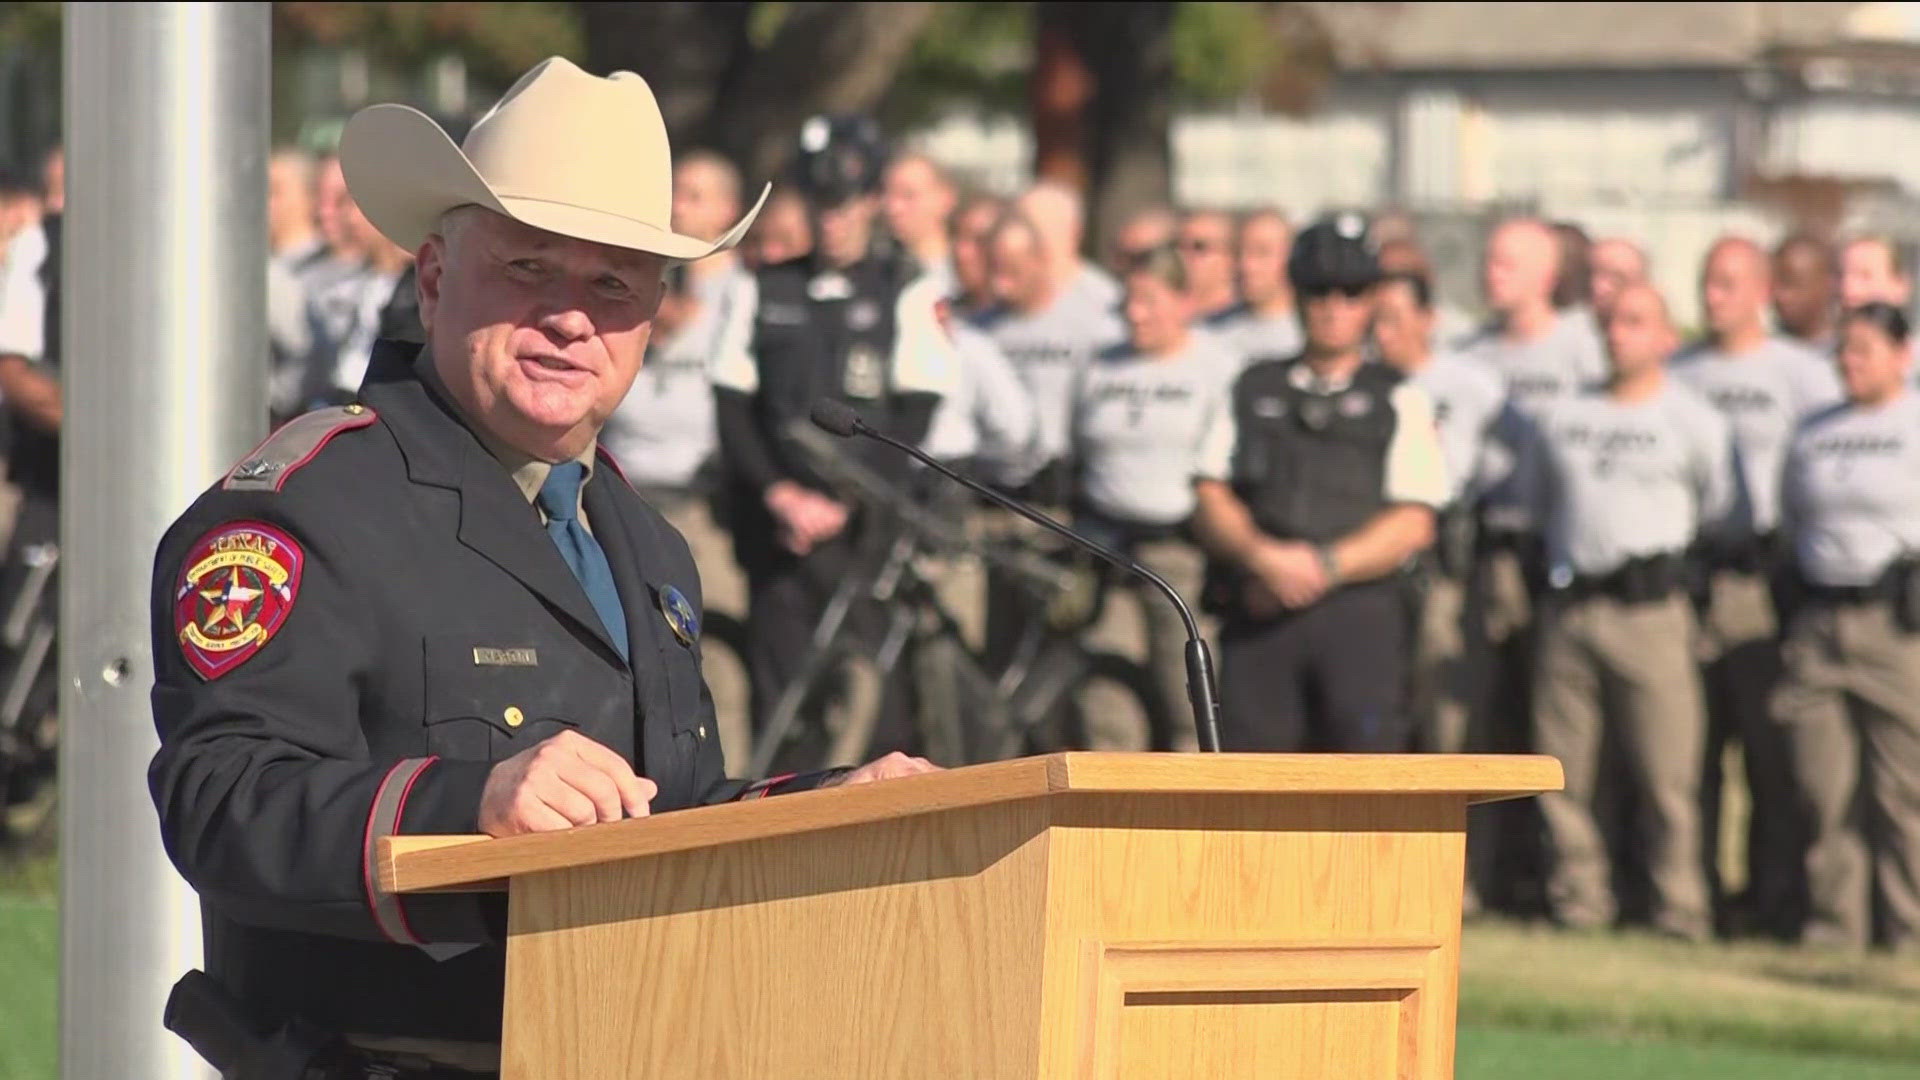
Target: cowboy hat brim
<point>406,172</point>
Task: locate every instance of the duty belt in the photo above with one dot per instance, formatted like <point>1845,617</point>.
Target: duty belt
<point>1637,581</point>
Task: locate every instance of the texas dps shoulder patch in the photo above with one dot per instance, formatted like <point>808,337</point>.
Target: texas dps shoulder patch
<point>236,589</point>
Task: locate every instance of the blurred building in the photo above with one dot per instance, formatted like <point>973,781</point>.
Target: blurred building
<point>1669,122</point>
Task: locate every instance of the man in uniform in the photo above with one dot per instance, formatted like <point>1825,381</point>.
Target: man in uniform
<point>1617,263</point>
<point>917,198</point>
<point>438,609</point>
<point>1205,243</point>
<point>839,324</point>
<point>1543,355</point>
<point>1265,324</point>
<point>1314,488</point>
<point>1623,479</point>
<point>1469,404</point>
<point>1049,334</point>
<point>1871,268</point>
<point>1806,280</point>
<point>1763,385</point>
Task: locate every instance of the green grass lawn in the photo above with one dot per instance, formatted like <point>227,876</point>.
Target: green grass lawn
<point>1533,1004</point>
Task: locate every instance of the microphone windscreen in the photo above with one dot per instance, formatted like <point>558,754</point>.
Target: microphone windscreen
<point>836,417</point>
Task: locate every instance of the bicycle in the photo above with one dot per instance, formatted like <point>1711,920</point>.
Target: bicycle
<point>969,708</point>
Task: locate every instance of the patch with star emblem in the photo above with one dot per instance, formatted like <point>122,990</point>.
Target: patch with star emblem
<point>680,615</point>
<point>236,589</point>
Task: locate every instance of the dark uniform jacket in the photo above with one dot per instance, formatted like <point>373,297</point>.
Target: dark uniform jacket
<point>419,625</point>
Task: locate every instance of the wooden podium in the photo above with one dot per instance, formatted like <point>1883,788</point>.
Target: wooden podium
<point>1082,915</point>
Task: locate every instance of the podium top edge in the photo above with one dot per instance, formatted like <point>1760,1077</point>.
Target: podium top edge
<point>434,863</point>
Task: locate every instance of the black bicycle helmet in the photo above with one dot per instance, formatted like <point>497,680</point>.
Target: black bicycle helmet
<point>1335,253</point>
<point>840,158</point>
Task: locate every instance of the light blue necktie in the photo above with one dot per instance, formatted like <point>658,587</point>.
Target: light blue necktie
<point>560,498</point>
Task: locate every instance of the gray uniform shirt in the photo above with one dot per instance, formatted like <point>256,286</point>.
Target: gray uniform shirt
<point>1852,493</point>
<point>1617,480</point>
<point>1539,372</point>
<point>1049,348</point>
<point>1764,394</point>
<point>664,429</point>
<point>988,416</point>
<point>1252,336</point>
<point>1468,403</point>
<point>1137,427</point>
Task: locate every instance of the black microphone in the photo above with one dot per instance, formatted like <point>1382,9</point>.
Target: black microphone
<point>839,418</point>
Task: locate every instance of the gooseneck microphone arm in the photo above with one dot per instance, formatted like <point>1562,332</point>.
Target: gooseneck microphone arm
<point>837,418</point>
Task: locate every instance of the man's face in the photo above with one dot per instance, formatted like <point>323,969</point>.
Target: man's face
<point>1803,290</point>
<point>1521,261</point>
<point>704,202</point>
<point>1402,329</point>
<point>1141,234</point>
<point>915,200</point>
<point>1336,321</point>
<point>1206,250</point>
<point>1262,259</point>
<point>1017,268</point>
<point>1157,314</point>
<point>1639,337</point>
<point>970,264</point>
<point>782,231</point>
<point>335,210</point>
<point>538,336</point>
<point>1873,366</point>
<point>1733,290</point>
<point>844,230</point>
<point>289,198</point>
<point>1616,265</point>
<point>1868,272</point>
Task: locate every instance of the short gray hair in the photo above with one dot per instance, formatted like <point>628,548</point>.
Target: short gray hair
<point>456,221</point>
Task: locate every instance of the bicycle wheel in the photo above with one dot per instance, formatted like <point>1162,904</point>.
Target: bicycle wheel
<point>1111,707</point>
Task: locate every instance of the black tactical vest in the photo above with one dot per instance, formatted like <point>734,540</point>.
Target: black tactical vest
<point>1311,465</point>
<point>823,334</point>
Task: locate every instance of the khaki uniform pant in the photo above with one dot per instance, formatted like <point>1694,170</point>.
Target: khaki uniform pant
<point>1849,704</point>
<point>1504,854</point>
<point>1626,669</point>
<point>1144,625</point>
<point>723,588</point>
<point>1441,689</point>
<point>1740,665</point>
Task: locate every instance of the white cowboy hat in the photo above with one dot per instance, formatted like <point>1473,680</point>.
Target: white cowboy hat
<point>563,151</point>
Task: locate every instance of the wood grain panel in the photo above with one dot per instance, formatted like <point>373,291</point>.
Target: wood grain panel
<point>908,948</point>
<point>417,864</point>
<point>1318,873</point>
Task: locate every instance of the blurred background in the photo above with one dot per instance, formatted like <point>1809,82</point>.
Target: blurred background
<point>1668,124</point>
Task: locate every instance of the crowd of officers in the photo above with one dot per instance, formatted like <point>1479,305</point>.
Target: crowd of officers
<point>1565,531</point>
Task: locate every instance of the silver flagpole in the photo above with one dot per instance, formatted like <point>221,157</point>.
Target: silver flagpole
<point>164,358</point>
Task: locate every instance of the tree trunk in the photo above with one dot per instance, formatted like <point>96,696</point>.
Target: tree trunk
<point>826,57</point>
<point>1117,140</point>
<point>689,53</point>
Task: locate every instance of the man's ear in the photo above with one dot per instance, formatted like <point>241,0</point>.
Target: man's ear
<point>429,263</point>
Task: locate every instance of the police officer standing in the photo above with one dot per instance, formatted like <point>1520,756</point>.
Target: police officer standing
<point>1763,385</point>
<point>440,608</point>
<point>1850,698</point>
<point>836,323</point>
<point>1623,479</point>
<point>1470,408</point>
<point>1314,488</point>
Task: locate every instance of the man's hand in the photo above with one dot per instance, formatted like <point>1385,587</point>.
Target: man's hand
<point>886,768</point>
<point>565,781</point>
<point>1291,571</point>
<point>806,517</point>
